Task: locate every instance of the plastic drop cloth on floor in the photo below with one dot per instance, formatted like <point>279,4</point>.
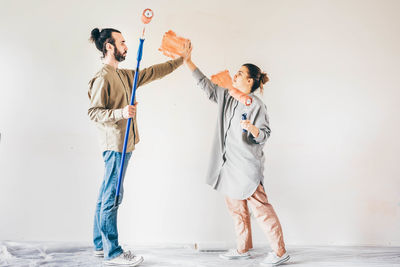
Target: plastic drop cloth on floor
<point>30,254</point>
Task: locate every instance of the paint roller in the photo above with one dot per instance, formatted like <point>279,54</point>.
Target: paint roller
<point>212,246</point>
<point>147,16</point>
<point>223,79</point>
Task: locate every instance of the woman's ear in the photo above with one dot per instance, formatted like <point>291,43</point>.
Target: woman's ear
<point>250,81</point>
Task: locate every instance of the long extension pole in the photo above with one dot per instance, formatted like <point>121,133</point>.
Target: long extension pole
<point>128,126</point>
<point>146,18</point>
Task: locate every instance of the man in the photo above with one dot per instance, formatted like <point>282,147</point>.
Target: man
<point>109,93</point>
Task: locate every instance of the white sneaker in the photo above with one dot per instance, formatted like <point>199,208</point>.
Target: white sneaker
<point>273,260</point>
<point>125,259</point>
<point>98,253</point>
<point>233,254</point>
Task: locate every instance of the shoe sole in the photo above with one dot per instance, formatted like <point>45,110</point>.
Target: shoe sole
<point>99,255</point>
<point>127,265</point>
<point>277,263</point>
<point>235,258</point>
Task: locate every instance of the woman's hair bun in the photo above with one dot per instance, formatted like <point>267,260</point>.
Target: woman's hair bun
<point>263,78</point>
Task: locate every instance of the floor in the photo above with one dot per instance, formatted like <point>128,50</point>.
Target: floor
<point>69,254</point>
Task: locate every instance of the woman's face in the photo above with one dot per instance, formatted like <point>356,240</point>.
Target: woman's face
<point>242,81</point>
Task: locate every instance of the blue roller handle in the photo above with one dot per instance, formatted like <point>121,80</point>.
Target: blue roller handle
<point>128,126</point>
<point>244,117</point>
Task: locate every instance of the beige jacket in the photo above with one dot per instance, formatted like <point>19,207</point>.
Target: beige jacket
<point>109,92</point>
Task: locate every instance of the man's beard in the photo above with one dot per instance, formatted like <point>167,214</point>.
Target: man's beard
<point>118,56</point>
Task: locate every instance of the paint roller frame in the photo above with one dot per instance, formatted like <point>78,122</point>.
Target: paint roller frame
<point>148,15</point>
<point>224,79</point>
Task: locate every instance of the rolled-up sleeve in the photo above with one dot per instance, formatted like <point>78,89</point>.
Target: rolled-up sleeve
<point>98,95</point>
<point>213,91</point>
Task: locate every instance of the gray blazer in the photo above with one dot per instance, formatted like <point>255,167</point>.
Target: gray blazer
<point>237,159</point>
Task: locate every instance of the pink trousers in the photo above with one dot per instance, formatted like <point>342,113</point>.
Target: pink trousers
<point>265,215</point>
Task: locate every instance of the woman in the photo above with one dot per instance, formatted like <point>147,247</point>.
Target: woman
<point>237,161</point>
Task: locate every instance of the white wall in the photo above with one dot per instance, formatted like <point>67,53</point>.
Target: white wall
<point>332,160</point>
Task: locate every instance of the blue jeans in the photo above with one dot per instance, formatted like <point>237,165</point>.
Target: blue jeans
<point>105,233</point>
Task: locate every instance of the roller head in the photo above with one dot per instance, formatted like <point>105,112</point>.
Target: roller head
<point>223,79</point>
<point>147,15</point>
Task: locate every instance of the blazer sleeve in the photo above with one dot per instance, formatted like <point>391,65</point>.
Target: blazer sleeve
<point>260,119</point>
<point>213,91</point>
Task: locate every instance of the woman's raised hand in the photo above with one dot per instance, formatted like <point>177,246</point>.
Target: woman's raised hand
<point>187,57</point>
<point>187,51</point>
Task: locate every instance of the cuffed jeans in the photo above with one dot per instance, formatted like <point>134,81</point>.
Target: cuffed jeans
<point>105,233</point>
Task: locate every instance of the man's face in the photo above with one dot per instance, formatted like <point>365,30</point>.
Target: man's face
<point>120,48</point>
